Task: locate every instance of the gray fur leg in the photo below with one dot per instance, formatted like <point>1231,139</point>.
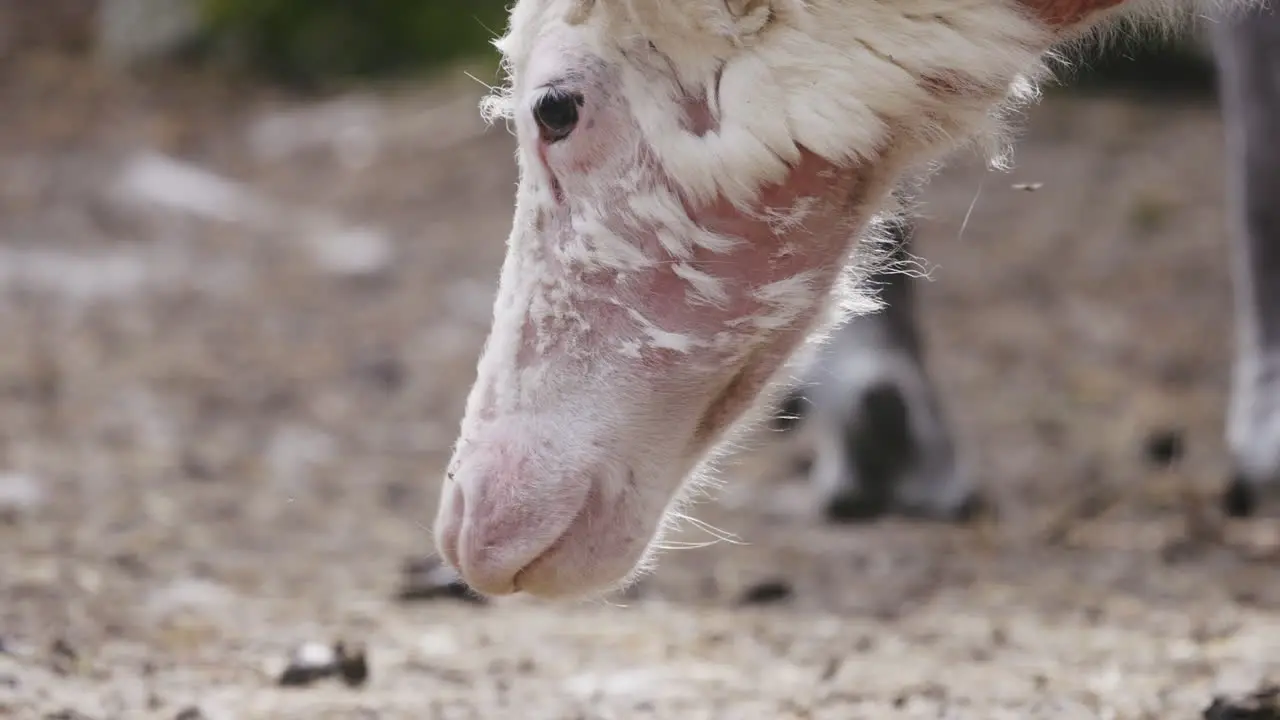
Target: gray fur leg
<point>871,419</point>
<point>1247,50</point>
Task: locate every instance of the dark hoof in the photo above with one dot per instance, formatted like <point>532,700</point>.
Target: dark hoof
<point>767,593</point>
<point>880,451</point>
<point>1240,500</point>
<point>790,412</point>
<point>974,508</point>
<point>879,443</point>
<point>855,508</point>
<point>1164,447</point>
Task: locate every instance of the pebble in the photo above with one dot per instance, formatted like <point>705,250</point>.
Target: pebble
<point>63,657</point>
<point>351,252</point>
<point>769,591</point>
<point>1264,704</point>
<point>310,662</point>
<point>384,372</point>
<point>1164,447</point>
<point>188,595</point>
<point>353,664</point>
<point>19,495</point>
<point>313,661</point>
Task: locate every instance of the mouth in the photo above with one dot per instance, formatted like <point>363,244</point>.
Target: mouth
<point>722,408</point>
<point>736,397</point>
<point>594,552</point>
<point>519,582</point>
<point>555,519</point>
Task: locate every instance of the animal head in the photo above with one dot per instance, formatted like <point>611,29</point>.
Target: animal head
<point>694,178</point>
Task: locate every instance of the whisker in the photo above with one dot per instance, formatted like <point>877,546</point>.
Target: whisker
<point>722,535</point>
<point>487,86</point>
<point>678,545</point>
<point>972,205</point>
<point>490,30</point>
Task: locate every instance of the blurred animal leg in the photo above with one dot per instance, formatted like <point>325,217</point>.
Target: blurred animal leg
<point>871,418</point>
<point>1248,55</point>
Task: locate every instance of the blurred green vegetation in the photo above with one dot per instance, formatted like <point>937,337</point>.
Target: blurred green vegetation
<point>323,42</point>
<point>313,42</point>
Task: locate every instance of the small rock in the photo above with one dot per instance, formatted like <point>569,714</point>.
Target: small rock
<point>131,564</point>
<point>19,495</point>
<point>351,252</point>
<point>386,373</point>
<point>63,657</point>
<point>1240,499</point>
<point>188,595</point>
<point>189,713</point>
<point>1164,447</point>
<point>348,127</point>
<point>310,662</point>
<point>196,467</point>
<point>1263,704</point>
<point>353,664</point>
<point>430,579</point>
<point>162,181</point>
<point>439,642</point>
<point>770,591</point>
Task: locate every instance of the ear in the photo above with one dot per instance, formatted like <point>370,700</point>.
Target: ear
<point>735,20</point>
<point>749,16</point>
<point>727,24</point>
<point>580,10</point>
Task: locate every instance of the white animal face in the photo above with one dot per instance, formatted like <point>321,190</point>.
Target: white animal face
<point>693,176</point>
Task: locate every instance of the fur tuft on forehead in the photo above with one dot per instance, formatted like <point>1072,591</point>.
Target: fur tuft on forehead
<point>854,82</point>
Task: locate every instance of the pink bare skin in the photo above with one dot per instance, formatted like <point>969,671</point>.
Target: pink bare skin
<point>635,324</point>
<point>561,478</point>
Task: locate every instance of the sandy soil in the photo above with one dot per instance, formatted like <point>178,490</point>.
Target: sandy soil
<point>237,332</point>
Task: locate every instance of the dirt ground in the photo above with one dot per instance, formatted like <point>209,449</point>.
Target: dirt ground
<point>236,332</point>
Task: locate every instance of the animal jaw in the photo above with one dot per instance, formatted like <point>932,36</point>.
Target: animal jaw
<point>685,230</point>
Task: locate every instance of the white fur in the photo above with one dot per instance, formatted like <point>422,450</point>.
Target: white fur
<point>839,77</point>
<point>874,88</point>
<point>1253,432</point>
<point>842,79</point>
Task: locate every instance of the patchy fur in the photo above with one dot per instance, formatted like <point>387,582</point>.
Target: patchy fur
<point>711,210</point>
<point>846,80</point>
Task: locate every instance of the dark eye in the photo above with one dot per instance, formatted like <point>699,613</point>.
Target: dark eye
<point>557,114</point>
